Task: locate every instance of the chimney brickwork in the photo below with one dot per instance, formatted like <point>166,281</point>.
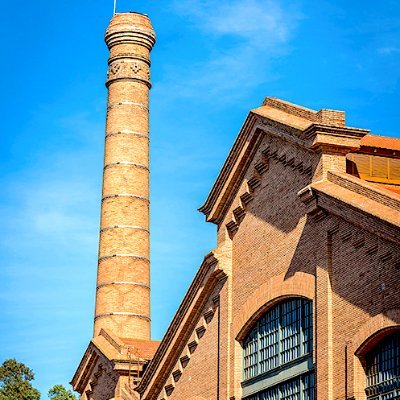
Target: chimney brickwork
<point>123,280</point>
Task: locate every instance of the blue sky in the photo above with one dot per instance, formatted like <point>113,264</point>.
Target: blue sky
<point>213,62</point>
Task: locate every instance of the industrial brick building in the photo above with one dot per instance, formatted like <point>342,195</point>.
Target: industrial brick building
<point>300,299</point>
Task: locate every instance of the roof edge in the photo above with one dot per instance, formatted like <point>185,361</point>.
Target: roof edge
<point>209,262</point>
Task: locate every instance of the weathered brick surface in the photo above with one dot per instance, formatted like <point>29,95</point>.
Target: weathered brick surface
<point>199,377</point>
<point>124,211</point>
<point>282,248</point>
<point>124,269</point>
<point>279,236</point>
<point>122,147</point>
<point>123,293</point>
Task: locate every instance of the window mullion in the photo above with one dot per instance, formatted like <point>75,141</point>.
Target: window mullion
<point>258,348</point>
<point>279,334</point>
<point>277,372</point>
<point>301,333</point>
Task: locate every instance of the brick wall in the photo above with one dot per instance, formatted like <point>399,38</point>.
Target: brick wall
<point>278,251</point>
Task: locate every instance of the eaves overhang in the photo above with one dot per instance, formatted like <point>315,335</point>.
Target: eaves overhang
<point>109,348</point>
<point>169,349</point>
<point>376,210</point>
<point>86,366</point>
<point>314,137</point>
<point>212,207</point>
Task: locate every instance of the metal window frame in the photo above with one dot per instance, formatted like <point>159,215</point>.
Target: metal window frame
<point>296,368</point>
<point>378,386</point>
<point>256,328</point>
<point>278,387</point>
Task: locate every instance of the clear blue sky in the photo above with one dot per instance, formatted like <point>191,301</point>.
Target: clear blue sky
<point>213,62</point>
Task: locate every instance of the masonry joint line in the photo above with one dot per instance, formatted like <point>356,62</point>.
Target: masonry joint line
<point>140,228</point>
<point>102,258</point>
<point>126,163</point>
<point>127,314</point>
<point>123,283</point>
<point>111,196</point>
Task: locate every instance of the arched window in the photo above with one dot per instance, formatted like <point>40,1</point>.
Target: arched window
<point>383,369</point>
<point>277,354</point>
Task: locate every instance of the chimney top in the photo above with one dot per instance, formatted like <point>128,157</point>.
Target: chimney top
<point>130,18</point>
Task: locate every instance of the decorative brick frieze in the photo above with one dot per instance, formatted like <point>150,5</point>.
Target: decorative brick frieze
<point>385,256</point>
<point>345,236</point>
<point>232,227</point>
<point>261,166</point>
<point>372,249</point>
<point>358,240</point>
<point>200,331</point>
<point>169,389</point>
<point>184,360</point>
<point>129,69</point>
<point>239,213</point>
<point>298,159</point>
<point>246,198</point>
<point>192,346</point>
<point>253,183</point>
<point>208,316</point>
<point>177,375</point>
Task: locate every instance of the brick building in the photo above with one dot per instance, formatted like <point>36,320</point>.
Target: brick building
<point>300,299</point>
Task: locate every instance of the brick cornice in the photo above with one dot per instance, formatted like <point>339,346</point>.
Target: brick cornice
<point>334,139</point>
<point>92,358</point>
<point>356,201</point>
<point>315,138</point>
<point>170,347</point>
<point>227,168</point>
<point>104,349</point>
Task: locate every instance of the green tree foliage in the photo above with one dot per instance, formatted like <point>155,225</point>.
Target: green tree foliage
<point>59,392</point>
<point>15,382</point>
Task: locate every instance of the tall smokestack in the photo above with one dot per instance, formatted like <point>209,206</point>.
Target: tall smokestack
<point>123,280</point>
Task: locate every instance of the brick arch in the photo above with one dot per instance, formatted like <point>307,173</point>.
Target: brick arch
<point>268,294</point>
<point>372,331</point>
<point>369,334</point>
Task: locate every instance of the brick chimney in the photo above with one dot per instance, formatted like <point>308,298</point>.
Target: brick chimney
<point>123,280</point>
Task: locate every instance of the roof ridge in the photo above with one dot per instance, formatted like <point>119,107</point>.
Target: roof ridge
<point>323,116</point>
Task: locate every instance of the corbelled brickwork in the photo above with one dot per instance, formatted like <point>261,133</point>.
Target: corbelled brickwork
<point>123,281</point>
<point>291,223</point>
<point>300,214</point>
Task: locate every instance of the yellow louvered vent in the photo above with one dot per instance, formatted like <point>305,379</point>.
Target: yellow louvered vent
<point>374,168</point>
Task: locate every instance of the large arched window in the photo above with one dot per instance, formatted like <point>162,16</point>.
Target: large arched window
<point>383,369</point>
<point>277,354</point>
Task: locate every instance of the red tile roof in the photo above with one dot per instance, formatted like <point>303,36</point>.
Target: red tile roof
<point>382,142</point>
<point>392,188</point>
<point>142,348</point>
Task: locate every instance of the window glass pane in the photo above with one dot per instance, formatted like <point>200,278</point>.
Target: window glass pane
<point>269,341</point>
<point>299,388</point>
<point>307,327</point>
<point>290,330</point>
<point>383,369</point>
<point>308,387</point>
<point>280,336</point>
<point>291,390</point>
<point>251,354</point>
